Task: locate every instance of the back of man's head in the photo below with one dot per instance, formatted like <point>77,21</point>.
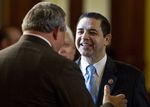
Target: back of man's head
<point>44,17</point>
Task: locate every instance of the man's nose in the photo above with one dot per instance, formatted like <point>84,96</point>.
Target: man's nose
<point>85,35</point>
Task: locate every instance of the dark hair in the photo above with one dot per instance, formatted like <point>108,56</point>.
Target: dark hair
<point>105,25</point>
<point>44,17</point>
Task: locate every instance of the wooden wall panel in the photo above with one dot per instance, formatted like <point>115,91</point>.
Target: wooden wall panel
<point>19,8</point>
<point>128,31</point>
<point>15,10</point>
<point>75,12</point>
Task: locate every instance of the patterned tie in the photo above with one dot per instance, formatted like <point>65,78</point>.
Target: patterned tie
<point>90,81</point>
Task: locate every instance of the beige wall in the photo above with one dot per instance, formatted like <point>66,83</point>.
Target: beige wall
<point>101,6</point>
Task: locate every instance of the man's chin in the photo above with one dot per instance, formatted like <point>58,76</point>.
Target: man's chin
<point>86,54</point>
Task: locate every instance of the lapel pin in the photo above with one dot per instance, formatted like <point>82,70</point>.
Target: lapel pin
<point>110,81</point>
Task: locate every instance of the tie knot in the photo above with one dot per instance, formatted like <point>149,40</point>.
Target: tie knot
<point>90,69</point>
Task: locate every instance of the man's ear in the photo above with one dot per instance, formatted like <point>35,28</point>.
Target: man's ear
<point>108,38</point>
<point>55,32</point>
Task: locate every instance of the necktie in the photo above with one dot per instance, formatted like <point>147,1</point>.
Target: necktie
<point>90,81</point>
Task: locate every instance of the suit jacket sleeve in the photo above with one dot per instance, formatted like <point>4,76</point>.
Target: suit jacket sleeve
<point>140,95</point>
<point>72,90</point>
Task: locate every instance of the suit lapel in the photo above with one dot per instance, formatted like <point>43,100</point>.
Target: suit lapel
<point>108,78</point>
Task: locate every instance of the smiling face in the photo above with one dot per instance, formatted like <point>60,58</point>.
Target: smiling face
<point>90,40</point>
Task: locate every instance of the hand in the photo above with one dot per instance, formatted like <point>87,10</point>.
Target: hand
<point>117,101</point>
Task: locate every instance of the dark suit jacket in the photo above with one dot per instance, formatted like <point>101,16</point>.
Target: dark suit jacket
<point>33,75</point>
<point>126,79</point>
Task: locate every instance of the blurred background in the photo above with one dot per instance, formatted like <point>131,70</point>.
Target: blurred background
<point>130,20</point>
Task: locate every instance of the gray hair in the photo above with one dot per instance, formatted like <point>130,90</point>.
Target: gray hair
<point>44,17</point>
<point>69,31</point>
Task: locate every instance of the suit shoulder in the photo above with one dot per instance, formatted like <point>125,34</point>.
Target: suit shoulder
<point>62,62</point>
<point>128,68</point>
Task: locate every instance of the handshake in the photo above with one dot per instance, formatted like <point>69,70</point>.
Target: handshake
<point>117,101</point>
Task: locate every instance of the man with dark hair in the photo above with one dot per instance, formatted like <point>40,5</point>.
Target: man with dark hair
<point>93,35</point>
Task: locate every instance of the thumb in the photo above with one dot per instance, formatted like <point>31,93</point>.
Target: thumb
<point>106,90</point>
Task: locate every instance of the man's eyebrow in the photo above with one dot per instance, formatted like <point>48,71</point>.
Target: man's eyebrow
<point>80,28</point>
<point>91,29</point>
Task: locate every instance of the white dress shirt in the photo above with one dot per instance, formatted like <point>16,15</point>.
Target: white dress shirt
<point>100,65</point>
<point>39,36</point>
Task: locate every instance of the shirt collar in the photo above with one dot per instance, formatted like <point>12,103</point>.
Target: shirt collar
<point>39,36</point>
<point>100,65</point>
<point>83,65</point>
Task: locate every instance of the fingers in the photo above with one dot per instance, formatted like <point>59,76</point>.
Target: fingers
<point>106,90</point>
<point>121,96</point>
<point>117,100</point>
<point>123,103</point>
<point>106,94</point>
<point>121,100</point>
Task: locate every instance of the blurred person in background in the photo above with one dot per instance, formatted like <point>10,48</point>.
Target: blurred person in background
<point>9,35</point>
<point>68,49</point>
